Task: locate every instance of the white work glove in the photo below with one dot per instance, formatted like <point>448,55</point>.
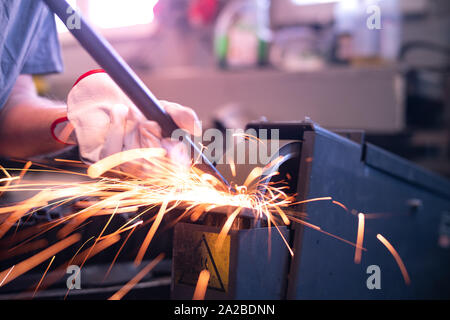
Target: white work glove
<point>106,121</point>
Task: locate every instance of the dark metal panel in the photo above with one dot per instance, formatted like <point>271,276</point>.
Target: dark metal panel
<point>403,169</point>
<point>323,266</point>
<point>288,130</point>
<point>255,271</point>
<point>262,263</point>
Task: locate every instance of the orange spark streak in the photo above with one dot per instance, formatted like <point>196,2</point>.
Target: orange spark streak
<point>255,173</point>
<point>66,132</point>
<point>126,288</point>
<point>84,214</point>
<point>120,250</point>
<point>43,276</point>
<point>3,280</point>
<point>96,248</point>
<point>69,161</point>
<point>396,256</point>
<point>359,238</point>
<point>340,205</point>
<point>99,247</point>
<point>107,212</point>
<point>7,179</point>
<point>75,222</point>
<point>197,212</point>
<point>226,227</point>
<point>25,168</point>
<point>40,257</point>
<point>52,224</point>
<point>100,167</point>
<point>283,215</point>
<point>202,285</point>
<point>19,236</point>
<point>313,200</point>
<point>377,215</point>
<point>306,224</point>
<point>151,233</point>
<point>233,168</point>
<point>248,137</point>
<point>284,240</point>
<point>21,210</point>
<point>18,250</point>
<point>341,239</point>
<point>60,271</point>
<point>101,233</point>
<point>54,170</point>
<point>79,249</point>
<point>324,232</point>
<point>122,230</point>
<point>274,162</point>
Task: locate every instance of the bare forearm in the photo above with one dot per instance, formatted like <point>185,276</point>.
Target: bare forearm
<point>25,123</point>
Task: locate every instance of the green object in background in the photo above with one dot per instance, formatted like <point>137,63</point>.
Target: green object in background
<point>263,52</point>
<point>237,22</point>
<point>221,49</point>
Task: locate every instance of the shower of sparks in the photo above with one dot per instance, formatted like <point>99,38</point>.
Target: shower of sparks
<point>396,256</point>
<point>137,181</point>
<point>202,285</point>
<point>359,238</point>
<point>37,259</point>
<point>134,181</point>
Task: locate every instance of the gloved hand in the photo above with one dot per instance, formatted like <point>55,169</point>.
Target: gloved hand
<point>106,121</point>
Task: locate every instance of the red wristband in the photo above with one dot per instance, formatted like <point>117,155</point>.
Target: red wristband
<point>53,127</point>
<point>87,74</point>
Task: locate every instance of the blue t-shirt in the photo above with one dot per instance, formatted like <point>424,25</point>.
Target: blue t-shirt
<point>28,42</point>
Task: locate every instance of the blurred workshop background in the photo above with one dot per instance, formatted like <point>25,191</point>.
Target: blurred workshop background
<point>381,66</point>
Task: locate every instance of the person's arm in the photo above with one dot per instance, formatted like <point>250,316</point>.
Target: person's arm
<point>25,122</point>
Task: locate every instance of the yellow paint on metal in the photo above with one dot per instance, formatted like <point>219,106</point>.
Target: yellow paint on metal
<point>221,259</point>
<point>204,255</point>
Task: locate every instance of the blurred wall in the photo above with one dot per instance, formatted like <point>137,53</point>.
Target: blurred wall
<point>176,44</point>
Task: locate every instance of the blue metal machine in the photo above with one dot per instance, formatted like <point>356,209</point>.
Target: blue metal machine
<point>406,204</point>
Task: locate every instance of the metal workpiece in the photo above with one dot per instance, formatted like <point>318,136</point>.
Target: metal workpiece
<point>250,264</point>
<point>402,202</point>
